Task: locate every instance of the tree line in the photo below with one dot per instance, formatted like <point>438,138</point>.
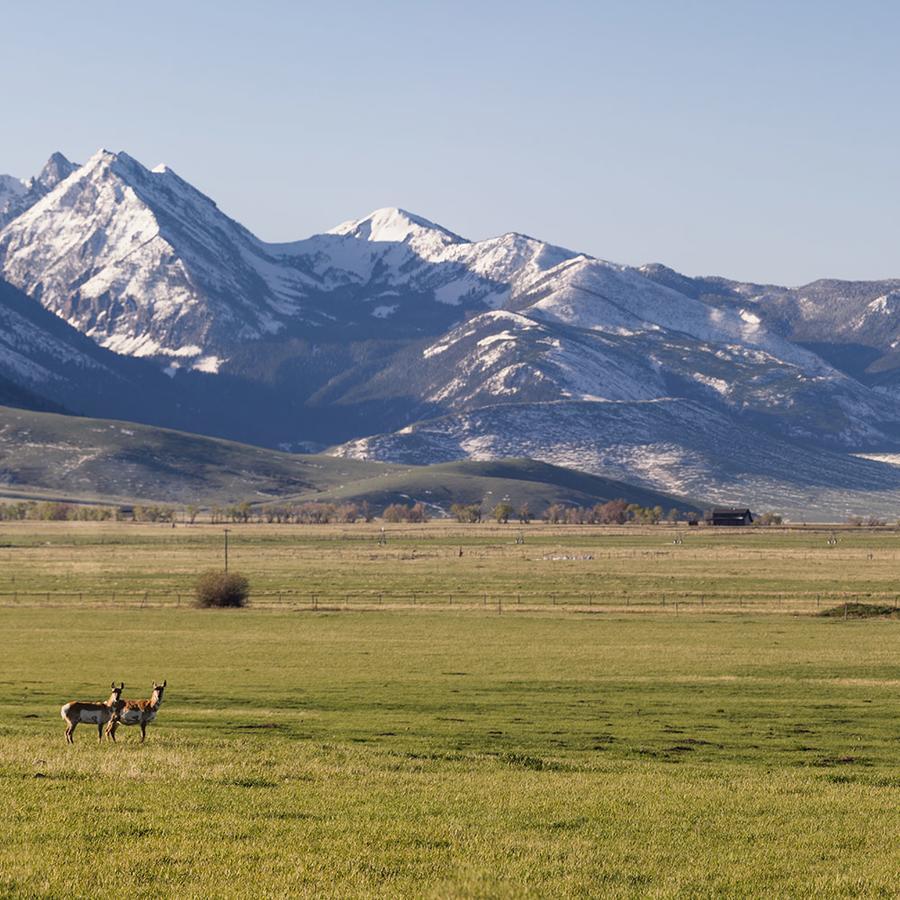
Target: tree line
<point>613,512</point>
<point>51,511</point>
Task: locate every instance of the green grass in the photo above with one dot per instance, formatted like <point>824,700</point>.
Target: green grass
<point>437,750</point>
<point>416,754</point>
<point>635,568</point>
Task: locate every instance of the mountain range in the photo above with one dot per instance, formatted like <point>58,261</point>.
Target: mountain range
<point>126,293</point>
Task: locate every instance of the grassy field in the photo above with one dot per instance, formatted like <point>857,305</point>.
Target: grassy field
<point>438,750</point>
<point>628,568</point>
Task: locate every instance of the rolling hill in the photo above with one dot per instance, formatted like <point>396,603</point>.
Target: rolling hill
<point>47,455</point>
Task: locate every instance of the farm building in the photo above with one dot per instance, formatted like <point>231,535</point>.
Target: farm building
<point>729,516</point>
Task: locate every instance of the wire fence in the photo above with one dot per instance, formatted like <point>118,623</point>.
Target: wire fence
<point>493,601</point>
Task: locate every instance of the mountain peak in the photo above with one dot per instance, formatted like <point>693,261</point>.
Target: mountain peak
<point>393,225</point>
<point>55,170</point>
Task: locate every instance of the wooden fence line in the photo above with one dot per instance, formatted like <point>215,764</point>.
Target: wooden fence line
<point>673,601</point>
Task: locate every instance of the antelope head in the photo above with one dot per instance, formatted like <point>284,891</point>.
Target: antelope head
<point>157,695</point>
<point>116,694</point>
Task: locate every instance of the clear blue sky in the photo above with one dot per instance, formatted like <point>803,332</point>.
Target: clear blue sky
<point>753,139</point>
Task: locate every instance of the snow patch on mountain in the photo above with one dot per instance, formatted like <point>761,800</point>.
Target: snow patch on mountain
<point>392,225</point>
<point>678,446</point>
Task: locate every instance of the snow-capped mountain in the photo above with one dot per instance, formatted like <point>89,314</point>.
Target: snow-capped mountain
<point>18,196</point>
<point>388,324</point>
<point>853,324</point>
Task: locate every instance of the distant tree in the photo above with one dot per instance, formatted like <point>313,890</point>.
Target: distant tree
<point>768,518</point>
<point>396,512</point>
<point>502,511</point>
<point>366,511</point>
<point>634,512</point>
<point>50,511</point>
<point>347,512</point>
<point>417,513</point>
<point>614,512</point>
<point>555,513</point>
<point>575,515</point>
<point>468,513</point>
<point>192,510</point>
<point>525,515</point>
<point>313,513</point>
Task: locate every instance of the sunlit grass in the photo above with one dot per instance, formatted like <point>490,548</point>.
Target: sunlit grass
<point>408,753</point>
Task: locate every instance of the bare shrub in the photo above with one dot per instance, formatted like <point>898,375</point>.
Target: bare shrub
<point>221,589</point>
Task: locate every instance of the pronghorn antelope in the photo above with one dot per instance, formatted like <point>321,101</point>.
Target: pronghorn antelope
<point>96,713</point>
<point>137,712</point>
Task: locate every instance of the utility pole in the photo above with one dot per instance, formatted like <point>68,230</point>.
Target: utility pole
<point>226,548</point>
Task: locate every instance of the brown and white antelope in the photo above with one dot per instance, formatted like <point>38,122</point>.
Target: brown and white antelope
<point>97,713</point>
<point>137,712</point>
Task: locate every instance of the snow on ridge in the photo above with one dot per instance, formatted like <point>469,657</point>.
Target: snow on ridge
<point>163,251</point>
<point>390,224</point>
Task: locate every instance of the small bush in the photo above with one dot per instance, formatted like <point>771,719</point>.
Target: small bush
<point>221,589</point>
<point>859,611</point>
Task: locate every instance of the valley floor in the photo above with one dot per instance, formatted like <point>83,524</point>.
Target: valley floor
<point>437,751</point>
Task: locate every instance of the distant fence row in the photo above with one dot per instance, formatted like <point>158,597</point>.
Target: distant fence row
<point>491,601</point>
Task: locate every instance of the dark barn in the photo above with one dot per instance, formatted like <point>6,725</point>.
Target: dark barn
<point>729,516</point>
